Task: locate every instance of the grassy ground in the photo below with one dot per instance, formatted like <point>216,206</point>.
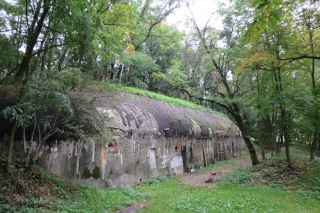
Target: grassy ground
<point>174,196</point>
<point>268,187</point>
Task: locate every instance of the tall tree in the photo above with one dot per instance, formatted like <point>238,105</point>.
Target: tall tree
<point>289,53</point>
<point>227,85</point>
<point>50,36</point>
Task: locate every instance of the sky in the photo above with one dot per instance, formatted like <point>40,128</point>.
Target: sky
<point>201,9</point>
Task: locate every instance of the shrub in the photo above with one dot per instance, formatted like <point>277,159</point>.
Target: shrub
<point>239,176</point>
<point>133,194</point>
<point>155,180</point>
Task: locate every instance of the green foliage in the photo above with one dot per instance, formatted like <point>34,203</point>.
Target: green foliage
<point>268,14</point>
<point>47,95</point>
<point>311,176</point>
<point>302,178</point>
<point>109,185</point>
<point>164,98</point>
<point>154,180</point>
<point>207,203</point>
<point>6,60</point>
<point>86,173</point>
<point>236,177</point>
<point>93,200</point>
<point>96,172</point>
<point>175,78</point>
<point>33,190</point>
<point>222,117</point>
<point>133,194</point>
<point>30,188</point>
<point>309,194</point>
<point>235,193</point>
<point>235,198</point>
<point>160,52</point>
<point>86,122</point>
<point>139,84</point>
<point>7,208</point>
<point>141,62</point>
<point>240,191</point>
<point>171,100</point>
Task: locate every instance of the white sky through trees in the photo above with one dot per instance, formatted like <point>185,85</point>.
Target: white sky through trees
<point>201,10</point>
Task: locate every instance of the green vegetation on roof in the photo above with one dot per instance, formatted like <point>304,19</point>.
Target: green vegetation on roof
<point>107,87</point>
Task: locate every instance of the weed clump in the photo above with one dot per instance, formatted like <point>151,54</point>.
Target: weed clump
<point>238,176</point>
<point>154,180</point>
<point>133,194</point>
<point>25,188</point>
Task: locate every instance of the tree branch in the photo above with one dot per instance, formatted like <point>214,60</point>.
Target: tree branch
<point>299,57</point>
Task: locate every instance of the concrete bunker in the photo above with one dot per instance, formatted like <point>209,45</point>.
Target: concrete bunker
<point>147,137</point>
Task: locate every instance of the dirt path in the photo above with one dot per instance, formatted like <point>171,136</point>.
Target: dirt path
<point>198,179</point>
<point>136,207</point>
<point>205,178</point>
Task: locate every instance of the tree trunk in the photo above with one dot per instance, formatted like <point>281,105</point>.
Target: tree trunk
<point>129,75</point>
<point>283,113</point>
<point>286,135</point>
<point>252,151</point>
<point>269,128</point>
<point>11,142</point>
<point>24,142</point>
<point>62,59</point>
<point>34,31</point>
<point>24,74</point>
<point>120,74</point>
<point>315,95</point>
<point>262,150</point>
<point>259,121</point>
<point>112,72</point>
<point>314,147</point>
<point>260,141</point>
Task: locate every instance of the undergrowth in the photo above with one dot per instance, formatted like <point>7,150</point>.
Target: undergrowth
<point>175,196</point>
<point>236,177</point>
<point>133,194</point>
<point>26,186</point>
<point>153,180</point>
<point>205,203</point>
<point>303,178</point>
<point>268,187</point>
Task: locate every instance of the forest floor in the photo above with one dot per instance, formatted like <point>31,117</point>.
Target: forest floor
<point>204,178</point>
<point>28,188</point>
<point>207,177</point>
<point>272,172</point>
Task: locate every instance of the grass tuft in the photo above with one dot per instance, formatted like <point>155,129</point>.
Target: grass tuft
<point>155,180</point>
<point>133,194</point>
<point>237,177</point>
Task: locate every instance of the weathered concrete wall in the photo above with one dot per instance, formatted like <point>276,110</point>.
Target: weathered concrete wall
<point>133,161</point>
<point>148,137</point>
<point>145,137</point>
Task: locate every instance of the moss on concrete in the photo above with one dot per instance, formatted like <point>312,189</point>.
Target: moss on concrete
<point>96,172</point>
<point>86,173</point>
